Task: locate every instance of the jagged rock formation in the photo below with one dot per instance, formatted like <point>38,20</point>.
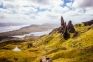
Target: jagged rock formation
<point>63,25</point>
<point>66,34</point>
<point>70,27</point>
<point>66,29</point>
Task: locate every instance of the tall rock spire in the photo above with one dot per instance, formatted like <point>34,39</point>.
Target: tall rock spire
<point>66,29</point>
<point>63,25</point>
<point>70,27</point>
<point>62,21</point>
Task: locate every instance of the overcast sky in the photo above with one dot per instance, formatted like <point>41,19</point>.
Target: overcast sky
<point>45,11</point>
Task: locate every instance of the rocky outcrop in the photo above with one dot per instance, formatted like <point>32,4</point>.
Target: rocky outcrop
<point>62,22</point>
<point>63,25</point>
<point>70,27</point>
<point>88,23</point>
<point>66,29</point>
<point>66,34</point>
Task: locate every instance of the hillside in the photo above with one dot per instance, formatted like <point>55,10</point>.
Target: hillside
<point>9,24</point>
<point>29,29</point>
<point>77,48</point>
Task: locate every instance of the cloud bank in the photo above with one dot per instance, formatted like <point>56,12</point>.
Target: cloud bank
<point>83,3</point>
<point>45,11</point>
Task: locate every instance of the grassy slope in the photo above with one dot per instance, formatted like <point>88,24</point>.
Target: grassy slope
<point>77,49</point>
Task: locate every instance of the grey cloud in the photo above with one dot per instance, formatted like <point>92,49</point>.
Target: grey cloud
<point>40,1</point>
<point>83,3</point>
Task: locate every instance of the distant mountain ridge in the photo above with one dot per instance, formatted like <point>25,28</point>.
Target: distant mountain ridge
<point>10,24</point>
<point>29,29</point>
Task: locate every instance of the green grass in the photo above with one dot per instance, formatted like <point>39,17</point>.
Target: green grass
<point>77,49</point>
